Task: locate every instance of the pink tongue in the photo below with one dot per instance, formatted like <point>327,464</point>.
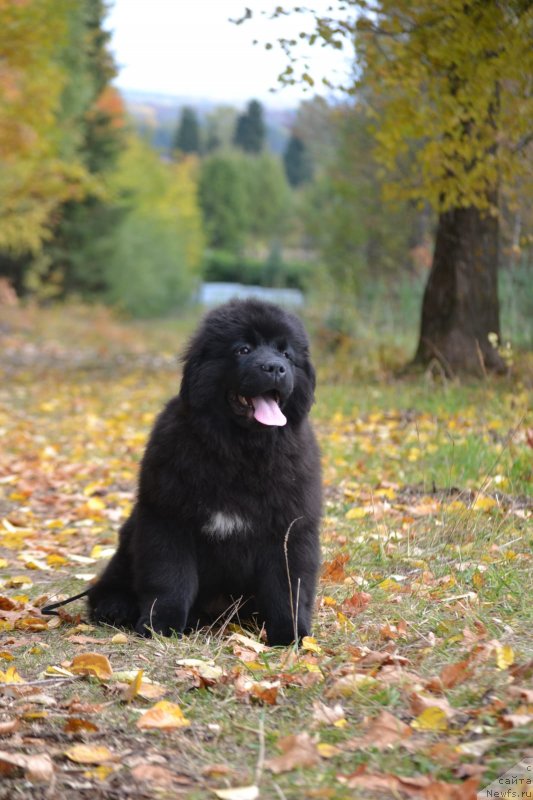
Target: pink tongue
<point>267,411</point>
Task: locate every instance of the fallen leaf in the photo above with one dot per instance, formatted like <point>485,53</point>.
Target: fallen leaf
<point>238,793</point>
<point>250,644</point>
<point>133,689</point>
<point>431,719</point>
<point>504,656</point>
<point>516,720</point>
<point>327,715</point>
<point>37,768</point>
<point>154,774</point>
<point>8,726</point>
<point>333,571</point>
<point>164,715</point>
<point>383,731</point>
<point>91,664</point>
<point>11,676</point>
<point>77,724</point>
<point>298,750</point>
<point>89,754</point>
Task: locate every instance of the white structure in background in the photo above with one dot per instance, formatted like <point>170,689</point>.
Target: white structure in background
<point>211,294</point>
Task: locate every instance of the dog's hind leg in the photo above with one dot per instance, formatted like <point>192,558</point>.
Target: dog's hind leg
<point>112,599</point>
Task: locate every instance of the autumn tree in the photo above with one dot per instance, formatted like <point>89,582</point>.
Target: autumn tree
<point>454,82</point>
<point>187,137</point>
<point>250,129</point>
<point>38,171</point>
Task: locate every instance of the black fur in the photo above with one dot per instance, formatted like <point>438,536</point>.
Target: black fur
<point>207,454</point>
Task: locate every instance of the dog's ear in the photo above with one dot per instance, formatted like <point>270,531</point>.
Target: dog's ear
<point>303,396</point>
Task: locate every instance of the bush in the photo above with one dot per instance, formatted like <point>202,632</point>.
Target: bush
<point>220,265</point>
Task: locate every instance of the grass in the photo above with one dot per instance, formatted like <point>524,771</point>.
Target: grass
<point>427,525</point>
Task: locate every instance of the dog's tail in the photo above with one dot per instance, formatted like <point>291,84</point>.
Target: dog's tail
<point>50,608</point>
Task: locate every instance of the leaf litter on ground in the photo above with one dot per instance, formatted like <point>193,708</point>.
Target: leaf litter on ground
<point>416,680</point>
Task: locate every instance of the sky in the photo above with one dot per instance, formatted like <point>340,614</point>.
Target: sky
<point>189,48</point>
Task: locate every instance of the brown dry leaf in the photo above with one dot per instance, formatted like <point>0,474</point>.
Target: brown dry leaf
<point>217,771</point>
<point>164,715</point>
<point>420,702</point>
<point>450,676</point>
<point>89,754</point>
<point>422,787</point>
<point>37,768</point>
<point>327,715</point>
<point>92,664</point>
<point>249,644</point>
<point>522,693</point>
<point>356,603</point>
<point>157,776</point>
<point>516,720</point>
<point>77,724</point>
<point>383,731</point>
<point>152,691</point>
<point>8,726</point>
<point>333,571</point>
<point>299,750</point>
<point>262,691</point>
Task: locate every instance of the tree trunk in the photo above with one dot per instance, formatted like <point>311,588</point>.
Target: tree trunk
<point>460,307</point>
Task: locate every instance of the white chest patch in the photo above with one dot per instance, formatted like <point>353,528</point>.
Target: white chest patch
<point>220,525</point>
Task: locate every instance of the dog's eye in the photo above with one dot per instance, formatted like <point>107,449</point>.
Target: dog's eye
<point>243,351</point>
<point>286,354</point>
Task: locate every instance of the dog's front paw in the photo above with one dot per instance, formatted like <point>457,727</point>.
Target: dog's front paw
<point>113,608</point>
<point>148,624</point>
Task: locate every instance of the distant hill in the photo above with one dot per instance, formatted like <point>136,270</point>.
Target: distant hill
<point>156,116</point>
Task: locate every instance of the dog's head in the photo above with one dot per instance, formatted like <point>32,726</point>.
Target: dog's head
<point>249,362</point>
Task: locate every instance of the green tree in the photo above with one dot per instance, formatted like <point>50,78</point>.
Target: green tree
<point>220,128</point>
<point>297,161</point>
<point>153,266</point>
<point>454,78</point>
<point>223,199</point>
<point>187,137</point>
<point>250,129</point>
<point>268,197</point>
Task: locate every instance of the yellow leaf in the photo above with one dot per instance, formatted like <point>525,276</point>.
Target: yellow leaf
<point>92,664</point>
<point>163,715</point>
<point>18,580</point>
<point>358,512</point>
<point>326,750</point>
<point>310,643</point>
<point>344,621</point>
<point>504,656</point>
<point>11,676</point>
<point>89,754</point>
<point>389,584</point>
<point>329,601</point>
<point>99,773</point>
<point>135,685</point>
<point>55,560</point>
<point>95,504</point>
<point>431,719</point>
<point>484,503</point>
<point>120,638</point>
<point>3,563</point>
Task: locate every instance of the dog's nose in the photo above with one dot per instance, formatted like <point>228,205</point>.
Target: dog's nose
<point>276,368</point>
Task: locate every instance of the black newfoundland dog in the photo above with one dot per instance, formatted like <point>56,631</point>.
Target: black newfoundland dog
<point>229,495</point>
